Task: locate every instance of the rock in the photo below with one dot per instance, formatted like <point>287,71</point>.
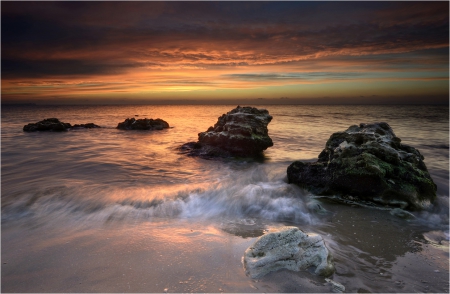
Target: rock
<point>398,212</point>
<point>49,124</point>
<point>314,206</point>
<point>369,163</point>
<point>55,125</point>
<point>241,132</point>
<point>335,286</point>
<point>143,124</point>
<point>288,248</point>
<point>85,126</point>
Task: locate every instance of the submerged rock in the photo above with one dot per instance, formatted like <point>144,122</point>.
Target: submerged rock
<point>85,126</point>
<point>398,212</point>
<point>288,248</point>
<point>241,132</point>
<point>143,124</point>
<point>55,125</point>
<point>369,163</point>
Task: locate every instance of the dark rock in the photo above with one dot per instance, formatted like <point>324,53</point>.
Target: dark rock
<point>143,124</point>
<point>240,132</point>
<point>49,124</point>
<point>86,126</point>
<point>55,125</point>
<point>369,163</point>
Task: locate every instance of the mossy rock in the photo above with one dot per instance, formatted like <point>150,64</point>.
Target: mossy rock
<point>368,161</point>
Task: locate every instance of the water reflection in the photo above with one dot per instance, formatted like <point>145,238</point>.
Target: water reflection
<point>244,228</point>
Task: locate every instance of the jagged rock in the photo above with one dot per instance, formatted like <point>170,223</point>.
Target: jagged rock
<point>368,163</point>
<point>143,124</point>
<point>49,124</point>
<point>241,132</point>
<point>289,248</point>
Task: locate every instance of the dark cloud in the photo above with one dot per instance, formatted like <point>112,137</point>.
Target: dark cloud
<point>271,30</point>
<point>19,68</point>
<point>268,41</point>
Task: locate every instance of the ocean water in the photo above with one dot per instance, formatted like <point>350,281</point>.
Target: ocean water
<point>107,210</point>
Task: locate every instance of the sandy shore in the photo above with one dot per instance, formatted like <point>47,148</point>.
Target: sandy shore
<point>372,253</point>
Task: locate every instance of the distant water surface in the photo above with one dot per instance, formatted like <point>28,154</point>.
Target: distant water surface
<point>93,196</point>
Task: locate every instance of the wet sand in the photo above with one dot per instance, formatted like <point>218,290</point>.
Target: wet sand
<point>373,252</point>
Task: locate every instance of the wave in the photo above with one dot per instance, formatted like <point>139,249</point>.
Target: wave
<point>236,197</point>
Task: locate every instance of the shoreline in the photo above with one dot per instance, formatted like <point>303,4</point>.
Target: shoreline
<point>194,255</point>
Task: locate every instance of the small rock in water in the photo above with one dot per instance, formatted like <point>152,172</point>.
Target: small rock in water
<point>165,290</point>
<point>402,213</point>
<point>315,206</point>
<point>288,248</point>
<point>85,126</point>
<point>55,125</point>
<point>335,286</point>
<point>143,124</point>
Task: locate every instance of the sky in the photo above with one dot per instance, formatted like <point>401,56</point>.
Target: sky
<point>213,52</point>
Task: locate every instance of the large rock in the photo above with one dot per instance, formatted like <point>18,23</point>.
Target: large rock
<point>55,125</point>
<point>241,132</point>
<point>143,124</point>
<point>368,163</point>
<point>288,248</point>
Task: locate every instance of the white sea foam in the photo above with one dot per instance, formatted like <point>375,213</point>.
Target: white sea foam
<point>240,195</point>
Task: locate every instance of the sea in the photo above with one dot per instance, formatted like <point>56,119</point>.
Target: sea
<point>107,210</point>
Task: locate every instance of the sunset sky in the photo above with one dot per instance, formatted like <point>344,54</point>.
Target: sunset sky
<point>175,52</point>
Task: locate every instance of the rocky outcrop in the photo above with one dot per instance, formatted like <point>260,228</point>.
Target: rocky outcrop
<point>143,124</point>
<point>55,125</point>
<point>289,248</point>
<point>241,132</point>
<point>49,124</point>
<point>368,163</point>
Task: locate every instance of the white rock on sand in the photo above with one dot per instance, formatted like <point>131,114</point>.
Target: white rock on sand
<point>288,248</point>
<point>335,286</point>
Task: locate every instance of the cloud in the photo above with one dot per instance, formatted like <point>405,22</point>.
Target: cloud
<point>219,44</point>
<point>305,76</point>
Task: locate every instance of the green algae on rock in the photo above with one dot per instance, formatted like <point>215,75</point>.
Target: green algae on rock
<point>288,248</point>
<point>369,163</point>
<point>240,132</point>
